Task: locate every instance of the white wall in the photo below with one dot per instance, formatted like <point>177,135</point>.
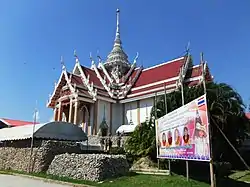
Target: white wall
<point>117,116</point>
<point>145,107</point>
<point>131,109</point>
<point>100,112</point>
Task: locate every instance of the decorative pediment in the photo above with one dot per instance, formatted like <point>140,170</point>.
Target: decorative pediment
<point>58,90</point>
<point>183,70</point>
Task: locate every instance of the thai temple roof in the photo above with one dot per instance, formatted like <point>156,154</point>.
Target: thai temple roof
<point>118,80</point>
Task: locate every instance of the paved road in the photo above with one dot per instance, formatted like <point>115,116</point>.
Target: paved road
<point>17,181</point>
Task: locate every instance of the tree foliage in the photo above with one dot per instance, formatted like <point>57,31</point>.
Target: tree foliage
<point>225,107</point>
<point>142,141</point>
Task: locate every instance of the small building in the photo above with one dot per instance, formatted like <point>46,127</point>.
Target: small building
<point>114,92</point>
<point>4,122</point>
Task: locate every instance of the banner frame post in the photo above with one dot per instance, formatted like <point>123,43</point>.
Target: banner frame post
<point>183,103</point>
<point>166,111</point>
<point>212,175</point>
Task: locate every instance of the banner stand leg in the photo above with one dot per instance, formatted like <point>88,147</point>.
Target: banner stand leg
<point>187,170</point>
<point>158,163</point>
<point>212,176</point>
<point>169,167</point>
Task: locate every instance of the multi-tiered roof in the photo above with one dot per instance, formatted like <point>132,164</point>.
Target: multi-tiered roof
<point>118,80</point>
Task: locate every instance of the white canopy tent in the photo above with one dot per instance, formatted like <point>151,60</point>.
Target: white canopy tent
<point>126,128</point>
<point>56,130</point>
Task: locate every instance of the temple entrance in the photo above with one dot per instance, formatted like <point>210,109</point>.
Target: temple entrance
<point>84,116</point>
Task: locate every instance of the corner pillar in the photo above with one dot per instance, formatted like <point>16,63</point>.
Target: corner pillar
<point>138,113</point>
<point>60,112</point>
<point>55,114</point>
<point>95,118</point>
<point>76,112</point>
<point>70,111</point>
<point>111,116</point>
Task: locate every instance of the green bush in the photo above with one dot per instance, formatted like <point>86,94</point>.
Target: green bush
<point>142,142</point>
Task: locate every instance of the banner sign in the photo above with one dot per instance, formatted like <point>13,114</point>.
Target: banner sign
<point>184,133</point>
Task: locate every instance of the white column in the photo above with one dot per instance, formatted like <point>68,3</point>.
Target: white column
<point>76,108</point>
<point>70,111</point>
<point>55,113</point>
<point>60,112</point>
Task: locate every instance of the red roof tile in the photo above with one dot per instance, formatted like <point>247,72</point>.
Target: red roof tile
<point>84,92</point>
<point>76,80</point>
<point>15,123</point>
<point>194,71</point>
<point>92,76</point>
<point>150,91</point>
<point>161,72</point>
<point>153,87</point>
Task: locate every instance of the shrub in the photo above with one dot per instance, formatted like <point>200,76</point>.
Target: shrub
<point>141,143</point>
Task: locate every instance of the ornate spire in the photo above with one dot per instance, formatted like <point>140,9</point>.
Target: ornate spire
<point>117,34</point>
<point>117,61</point>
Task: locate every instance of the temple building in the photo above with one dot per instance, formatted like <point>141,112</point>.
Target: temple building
<point>115,92</point>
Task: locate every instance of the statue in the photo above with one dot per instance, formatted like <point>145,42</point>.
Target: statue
<point>119,139</point>
<point>110,142</point>
<point>103,128</point>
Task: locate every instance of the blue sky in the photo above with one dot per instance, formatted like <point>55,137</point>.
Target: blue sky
<point>34,34</point>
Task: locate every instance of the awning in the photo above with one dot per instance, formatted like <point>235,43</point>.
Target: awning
<point>126,128</point>
<point>56,130</point>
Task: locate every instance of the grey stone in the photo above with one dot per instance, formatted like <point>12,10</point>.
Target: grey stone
<point>93,167</point>
<point>17,154</point>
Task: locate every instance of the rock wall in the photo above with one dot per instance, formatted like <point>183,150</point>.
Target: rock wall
<point>17,155</point>
<point>94,167</point>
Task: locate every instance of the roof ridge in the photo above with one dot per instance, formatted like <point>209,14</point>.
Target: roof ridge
<point>164,63</point>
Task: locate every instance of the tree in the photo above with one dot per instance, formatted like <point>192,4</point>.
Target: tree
<point>225,107</point>
<point>142,141</point>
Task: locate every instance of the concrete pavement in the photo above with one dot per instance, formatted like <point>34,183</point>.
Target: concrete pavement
<point>14,181</point>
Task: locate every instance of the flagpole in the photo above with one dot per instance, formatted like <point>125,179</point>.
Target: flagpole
<point>212,175</point>
<point>32,137</point>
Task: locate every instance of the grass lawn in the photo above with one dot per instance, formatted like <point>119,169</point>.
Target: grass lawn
<point>134,180</point>
<point>241,176</point>
<point>153,181</point>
